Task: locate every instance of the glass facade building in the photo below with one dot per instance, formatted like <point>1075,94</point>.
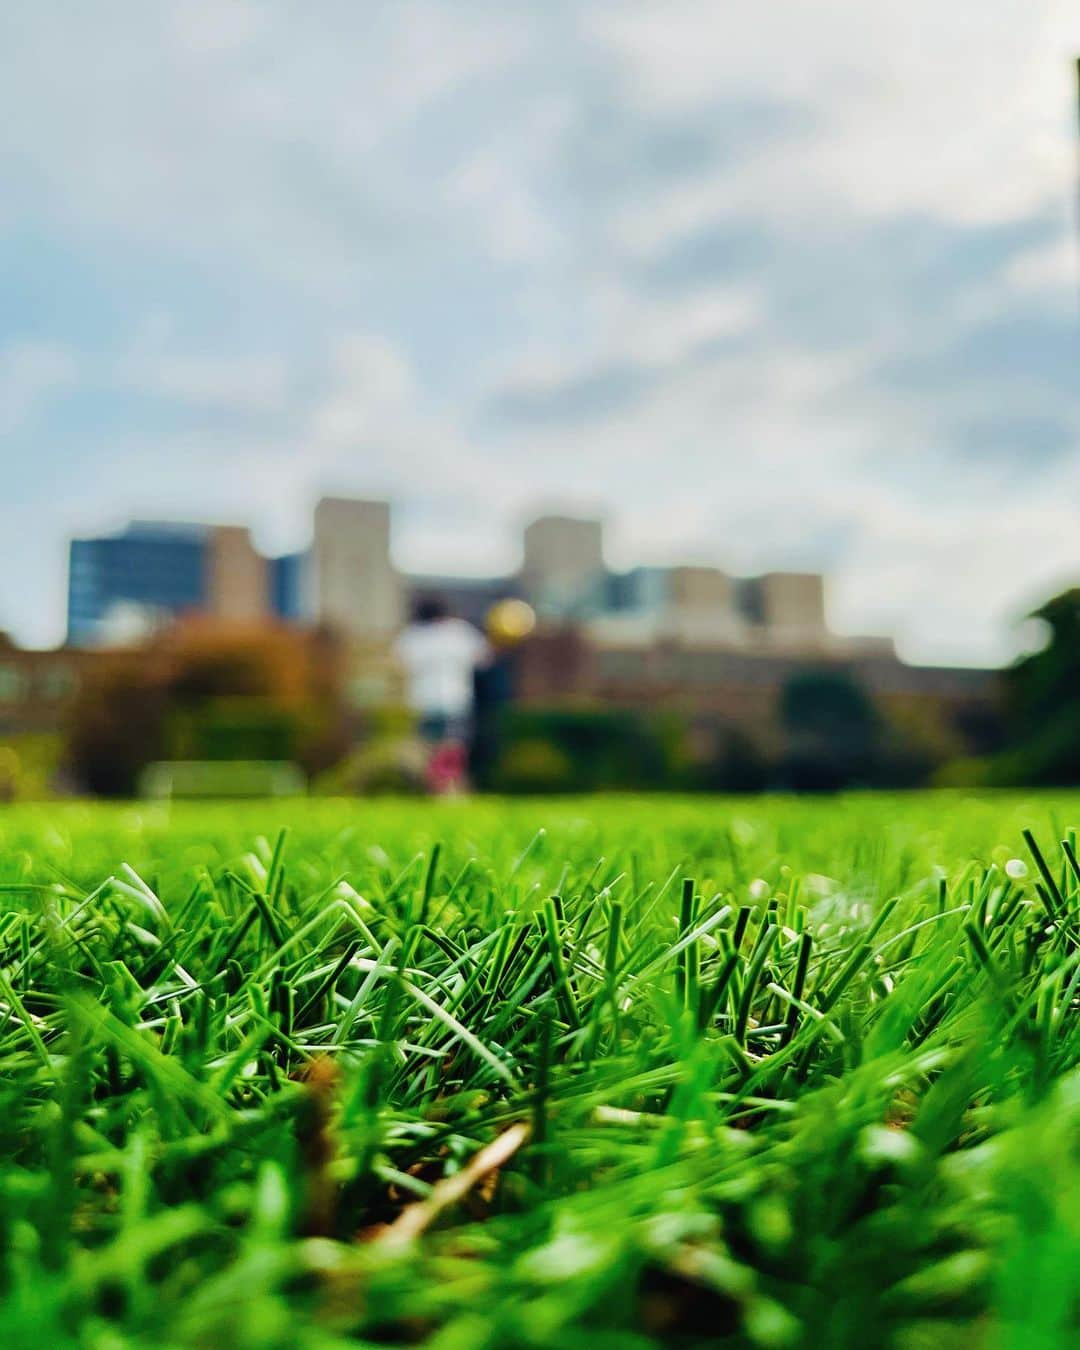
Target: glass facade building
<point>163,568</point>
<point>288,599</point>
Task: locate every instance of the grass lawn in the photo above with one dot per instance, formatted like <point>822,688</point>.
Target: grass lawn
<point>608,1072</point>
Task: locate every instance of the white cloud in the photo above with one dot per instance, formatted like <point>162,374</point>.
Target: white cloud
<point>244,384</point>
<point>665,334</point>
<point>1052,273</point>
<point>370,395</point>
<point>946,108</point>
<point>30,373</point>
<point>234,131</point>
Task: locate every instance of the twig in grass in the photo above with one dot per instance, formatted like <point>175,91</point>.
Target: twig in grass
<point>416,1219</point>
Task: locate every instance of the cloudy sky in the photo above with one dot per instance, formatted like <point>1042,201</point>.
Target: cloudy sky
<point>772,285</point>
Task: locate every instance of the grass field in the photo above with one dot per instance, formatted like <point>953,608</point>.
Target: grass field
<point>600,1073</point>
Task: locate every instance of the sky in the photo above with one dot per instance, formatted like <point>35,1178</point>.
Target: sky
<point>768,286</point>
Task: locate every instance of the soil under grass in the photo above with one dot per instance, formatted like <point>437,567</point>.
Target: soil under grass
<point>608,1072</point>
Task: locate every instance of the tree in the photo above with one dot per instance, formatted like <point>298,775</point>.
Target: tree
<point>206,692</point>
<point>116,726</point>
<point>832,731</point>
<point>1043,701</point>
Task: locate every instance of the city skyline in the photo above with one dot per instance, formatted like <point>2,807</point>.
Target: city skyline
<point>765,302</point>
<point>506,561</point>
<point>347,577</point>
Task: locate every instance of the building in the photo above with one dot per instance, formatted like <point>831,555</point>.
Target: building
<point>161,568</point>
<point>355,586</point>
<point>36,687</point>
<point>125,585</point>
<point>721,687</point>
<point>562,571</point>
<point>691,604</point>
<point>289,586</point>
<point>347,582</point>
<point>121,585</point>
<point>789,608</point>
<point>237,576</point>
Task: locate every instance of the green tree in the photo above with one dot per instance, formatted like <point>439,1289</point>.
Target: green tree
<point>832,731</point>
<point>1043,701</point>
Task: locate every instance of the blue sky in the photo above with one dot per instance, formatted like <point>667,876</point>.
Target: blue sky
<point>775,285</point>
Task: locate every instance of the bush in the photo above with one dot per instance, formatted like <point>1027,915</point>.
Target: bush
<point>29,766</point>
<point>971,771</point>
<point>599,748</point>
<point>380,768</point>
<point>833,732</point>
<point>534,766</point>
<point>736,765</point>
<point>234,728</point>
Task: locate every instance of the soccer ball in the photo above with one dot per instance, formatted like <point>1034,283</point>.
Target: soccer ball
<point>510,622</point>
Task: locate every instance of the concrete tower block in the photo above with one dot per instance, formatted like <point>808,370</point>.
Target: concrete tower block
<point>793,607</point>
<point>237,581</point>
<point>357,589</point>
<point>702,605</point>
<point>701,588</point>
<point>563,567</point>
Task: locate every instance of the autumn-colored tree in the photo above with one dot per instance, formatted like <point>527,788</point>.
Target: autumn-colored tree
<point>206,691</point>
<point>116,725</point>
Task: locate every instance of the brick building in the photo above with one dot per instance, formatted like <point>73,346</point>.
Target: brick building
<point>724,686</point>
<point>37,686</point>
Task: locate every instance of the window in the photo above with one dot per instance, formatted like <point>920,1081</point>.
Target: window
<point>57,682</point>
<point>12,684</point>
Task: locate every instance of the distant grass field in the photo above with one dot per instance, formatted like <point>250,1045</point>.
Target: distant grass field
<point>575,1073</point>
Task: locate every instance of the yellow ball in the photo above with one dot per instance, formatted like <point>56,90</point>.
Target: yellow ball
<point>510,622</point>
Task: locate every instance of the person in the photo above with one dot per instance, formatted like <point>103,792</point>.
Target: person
<point>439,655</point>
<point>509,622</point>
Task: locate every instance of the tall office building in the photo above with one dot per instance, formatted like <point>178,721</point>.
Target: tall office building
<point>157,567</point>
<point>155,570</point>
<point>562,571</point>
<point>356,588</point>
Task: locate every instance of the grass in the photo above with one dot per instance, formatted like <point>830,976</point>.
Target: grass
<point>599,1073</point>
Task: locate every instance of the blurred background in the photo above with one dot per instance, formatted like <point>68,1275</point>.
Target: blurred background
<point>740,348</point>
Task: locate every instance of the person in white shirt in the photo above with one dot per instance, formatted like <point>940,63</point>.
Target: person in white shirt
<point>439,655</point>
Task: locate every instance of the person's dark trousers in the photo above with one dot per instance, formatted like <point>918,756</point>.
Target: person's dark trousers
<point>493,691</point>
